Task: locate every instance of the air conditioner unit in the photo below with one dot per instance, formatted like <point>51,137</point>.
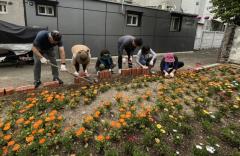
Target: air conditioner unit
<point>128,1</point>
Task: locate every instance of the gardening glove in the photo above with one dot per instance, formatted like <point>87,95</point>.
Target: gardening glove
<point>145,67</point>
<point>166,74</point>
<point>63,67</point>
<point>44,60</point>
<point>131,58</point>
<point>86,72</point>
<point>151,63</point>
<point>171,74</point>
<point>76,73</point>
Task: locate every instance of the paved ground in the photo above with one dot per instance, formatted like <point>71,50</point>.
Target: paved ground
<point>12,76</point>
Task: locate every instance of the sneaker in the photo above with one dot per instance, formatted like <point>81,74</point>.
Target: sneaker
<point>59,80</point>
<point>37,83</point>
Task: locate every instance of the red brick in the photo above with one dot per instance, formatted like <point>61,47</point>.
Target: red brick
<point>25,89</point>
<point>9,90</point>
<point>126,72</point>
<point>145,71</point>
<point>51,84</point>
<point>134,71</point>
<point>108,75</point>
<point>77,80</point>
<point>139,71</point>
<point>2,92</point>
<point>105,74</point>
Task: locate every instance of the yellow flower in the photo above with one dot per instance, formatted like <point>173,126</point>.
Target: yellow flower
<point>206,112</point>
<point>163,131</point>
<point>235,106</point>
<point>159,126</point>
<point>200,99</point>
<point>157,140</point>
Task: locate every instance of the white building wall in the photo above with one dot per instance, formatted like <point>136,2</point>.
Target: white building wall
<point>15,12</point>
<point>235,51</point>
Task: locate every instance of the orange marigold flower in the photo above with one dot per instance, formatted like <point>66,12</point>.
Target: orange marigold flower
<point>88,119</point>
<point>29,106</point>
<point>7,126</point>
<point>97,114</point>
<point>34,132</point>
<point>7,137</point>
<point>107,137</point>
<point>100,138</point>
<point>53,112</point>
<point>118,125</point>
<point>20,120</point>
<point>16,147</point>
<point>124,124</point>
<point>5,150</point>
<point>80,131</point>
<point>41,130</point>
<point>60,117</point>
<point>30,138</point>
<point>113,124</point>
<point>22,111</point>
<point>10,143</point>
<point>27,122</point>
<point>31,118</point>
<point>122,116</point>
<point>42,141</point>
<point>121,120</point>
<point>37,124</point>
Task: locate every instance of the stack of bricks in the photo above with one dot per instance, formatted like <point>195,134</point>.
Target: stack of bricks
<point>7,91</point>
<point>80,80</point>
<point>134,72</point>
<point>2,92</point>
<point>126,72</point>
<point>25,89</point>
<point>105,74</point>
<point>145,71</point>
<point>51,84</point>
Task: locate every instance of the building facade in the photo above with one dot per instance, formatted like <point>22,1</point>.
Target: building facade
<point>99,24</point>
<point>12,11</point>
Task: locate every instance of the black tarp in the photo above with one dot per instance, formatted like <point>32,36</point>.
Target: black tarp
<point>11,33</point>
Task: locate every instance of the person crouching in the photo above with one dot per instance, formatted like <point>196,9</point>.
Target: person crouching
<point>146,57</point>
<point>104,61</point>
<point>81,56</point>
<point>170,64</point>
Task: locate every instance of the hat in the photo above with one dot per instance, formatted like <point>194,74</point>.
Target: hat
<point>82,57</point>
<point>169,57</point>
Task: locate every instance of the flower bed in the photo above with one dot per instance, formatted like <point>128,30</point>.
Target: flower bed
<point>195,114</point>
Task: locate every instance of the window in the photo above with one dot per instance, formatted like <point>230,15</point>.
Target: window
<point>3,7</point>
<point>134,18</point>
<point>45,10</point>
<point>176,22</point>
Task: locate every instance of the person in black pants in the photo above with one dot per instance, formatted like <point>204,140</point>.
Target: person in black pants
<point>170,64</point>
<point>129,44</point>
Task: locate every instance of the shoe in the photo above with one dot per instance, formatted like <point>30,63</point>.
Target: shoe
<point>37,83</point>
<point>59,80</point>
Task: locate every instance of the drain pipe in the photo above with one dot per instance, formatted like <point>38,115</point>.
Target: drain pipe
<point>122,7</point>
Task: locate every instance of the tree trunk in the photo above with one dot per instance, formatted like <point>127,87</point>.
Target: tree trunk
<point>225,49</point>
